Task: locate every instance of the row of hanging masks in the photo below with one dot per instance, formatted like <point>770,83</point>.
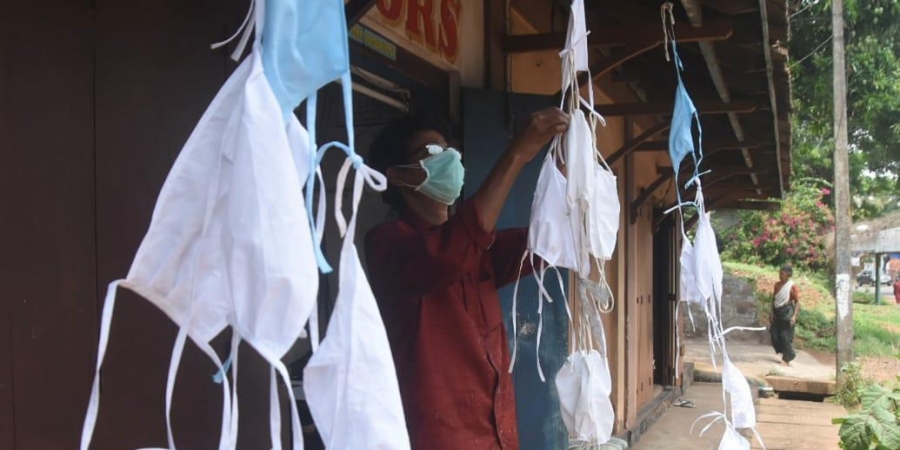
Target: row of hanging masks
<point>233,241</point>
<point>574,225</point>
<point>701,271</point>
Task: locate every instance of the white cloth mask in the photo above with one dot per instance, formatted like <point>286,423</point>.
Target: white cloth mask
<point>743,413</point>
<point>584,383</point>
<point>549,234</point>
<point>604,213</point>
<point>350,382</point>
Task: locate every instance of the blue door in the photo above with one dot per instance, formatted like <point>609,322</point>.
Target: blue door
<point>490,119</point>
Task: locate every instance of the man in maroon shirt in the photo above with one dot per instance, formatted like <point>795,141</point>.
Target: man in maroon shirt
<point>435,276</point>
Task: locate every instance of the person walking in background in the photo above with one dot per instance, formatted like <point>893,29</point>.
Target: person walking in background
<point>785,307</point>
<point>897,290</point>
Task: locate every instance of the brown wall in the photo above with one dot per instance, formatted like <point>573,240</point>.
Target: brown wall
<point>97,100</point>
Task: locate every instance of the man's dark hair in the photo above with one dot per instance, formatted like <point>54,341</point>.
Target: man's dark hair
<point>787,269</point>
<point>391,146</point>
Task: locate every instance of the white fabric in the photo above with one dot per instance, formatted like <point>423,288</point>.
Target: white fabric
<point>549,234</point>
<point>743,413</point>
<point>576,39</point>
<point>732,440</point>
<point>604,213</point>
<point>584,383</point>
<point>350,382</point>
<point>784,294</point>
<point>580,186</point>
<point>584,386</point>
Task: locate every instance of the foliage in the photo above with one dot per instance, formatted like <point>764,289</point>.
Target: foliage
<point>877,425</point>
<point>872,40</point>
<point>849,391</point>
<point>791,235</point>
<point>816,331</point>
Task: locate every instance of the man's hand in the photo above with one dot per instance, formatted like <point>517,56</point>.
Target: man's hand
<point>793,320</point>
<point>541,127</point>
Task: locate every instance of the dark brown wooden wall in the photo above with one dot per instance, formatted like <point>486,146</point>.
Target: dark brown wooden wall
<point>96,100</point>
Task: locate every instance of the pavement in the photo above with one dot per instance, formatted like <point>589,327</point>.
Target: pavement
<point>757,361</point>
<point>782,424</point>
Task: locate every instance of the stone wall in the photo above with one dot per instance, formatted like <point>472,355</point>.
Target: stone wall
<point>738,309</point>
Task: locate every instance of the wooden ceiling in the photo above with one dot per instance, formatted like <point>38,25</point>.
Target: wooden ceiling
<point>736,71</point>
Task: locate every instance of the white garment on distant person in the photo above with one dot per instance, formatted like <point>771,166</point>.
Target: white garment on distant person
<point>784,294</point>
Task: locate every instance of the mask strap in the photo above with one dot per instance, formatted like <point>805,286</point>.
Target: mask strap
<point>228,437</point>
<point>718,416</point>
<point>274,411</point>
<point>90,420</point>
<point>364,173</point>
<point>235,346</point>
<point>540,311</point>
<point>174,363</point>
<point>318,223</point>
<point>247,28</point>
<point>512,359</point>
<point>275,408</point>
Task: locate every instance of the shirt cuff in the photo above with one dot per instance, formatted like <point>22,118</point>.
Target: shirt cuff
<point>470,219</point>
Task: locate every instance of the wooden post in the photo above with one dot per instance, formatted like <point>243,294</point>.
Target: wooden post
<point>878,263</point>
<point>844,316</point>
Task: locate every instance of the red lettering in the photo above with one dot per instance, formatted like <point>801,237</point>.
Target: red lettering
<point>448,30</point>
<point>420,22</point>
<point>391,10</point>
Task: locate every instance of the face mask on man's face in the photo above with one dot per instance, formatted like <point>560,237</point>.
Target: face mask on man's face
<point>444,174</point>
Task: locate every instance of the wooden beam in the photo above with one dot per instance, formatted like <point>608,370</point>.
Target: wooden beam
<point>629,146</point>
<point>625,35</point>
<point>658,146</point>
<point>659,108</point>
<point>646,193</point>
<point>732,7</point>
<point>616,59</point>
<point>356,9</point>
<point>495,18</point>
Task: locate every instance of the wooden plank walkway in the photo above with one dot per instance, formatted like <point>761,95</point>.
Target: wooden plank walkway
<point>797,425</point>
<point>783,424</point>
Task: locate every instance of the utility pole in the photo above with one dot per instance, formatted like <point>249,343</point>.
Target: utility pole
<point>844,313</point>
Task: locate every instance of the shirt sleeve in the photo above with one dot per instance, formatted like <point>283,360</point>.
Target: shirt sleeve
<point>405,262</point>
<point>506,256</point>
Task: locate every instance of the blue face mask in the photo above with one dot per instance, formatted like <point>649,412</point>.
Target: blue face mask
<point>444,174</point>
<point>681,138</point>
<point>304,47</point>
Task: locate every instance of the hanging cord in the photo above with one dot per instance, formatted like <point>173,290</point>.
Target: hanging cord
<point>668,29</point>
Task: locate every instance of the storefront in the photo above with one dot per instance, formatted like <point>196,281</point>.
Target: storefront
<point>99,97</point>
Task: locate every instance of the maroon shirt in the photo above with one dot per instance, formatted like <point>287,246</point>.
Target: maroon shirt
<point>436,287</point>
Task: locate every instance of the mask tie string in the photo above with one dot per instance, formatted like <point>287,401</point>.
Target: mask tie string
<point>512,359</point>
<point>246,27</point>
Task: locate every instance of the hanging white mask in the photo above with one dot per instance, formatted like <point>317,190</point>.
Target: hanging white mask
<point>732,440</point>
<point>584,383</point>
<point>743,413</point>
<point>350,382</point>
<point>549,234</point>
<point>604,212</point>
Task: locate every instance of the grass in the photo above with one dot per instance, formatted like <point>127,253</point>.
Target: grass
<point>876,327</point>
<point>862,297</point>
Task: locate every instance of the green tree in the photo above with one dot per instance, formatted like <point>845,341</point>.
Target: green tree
<point>792,235</point>
<point>873,55</point>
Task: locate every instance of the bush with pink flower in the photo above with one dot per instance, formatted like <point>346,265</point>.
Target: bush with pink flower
<point>793,235</point>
